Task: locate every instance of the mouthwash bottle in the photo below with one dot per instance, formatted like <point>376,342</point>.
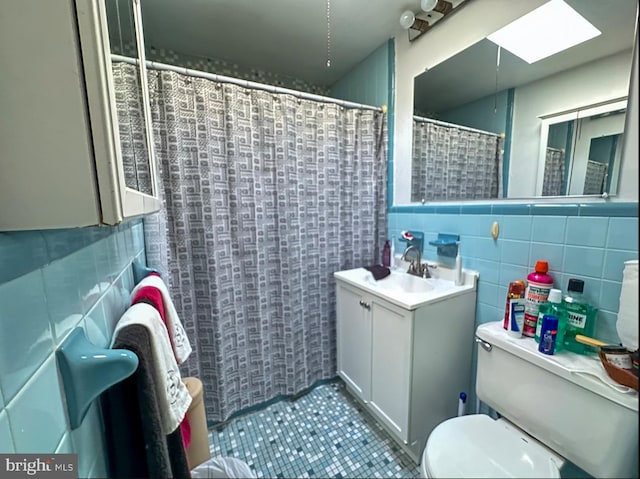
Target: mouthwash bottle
<point>553,307</point>
<point>539,283</point>
<point>580,317</point>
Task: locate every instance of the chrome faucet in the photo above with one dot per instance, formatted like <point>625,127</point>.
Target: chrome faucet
<point>416,267</point>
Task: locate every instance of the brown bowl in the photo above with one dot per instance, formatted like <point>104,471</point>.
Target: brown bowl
<point>619,375</point>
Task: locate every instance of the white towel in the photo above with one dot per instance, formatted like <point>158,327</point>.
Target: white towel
<point>173,396</point>
<point>590,366</point>
<point>182,348</point>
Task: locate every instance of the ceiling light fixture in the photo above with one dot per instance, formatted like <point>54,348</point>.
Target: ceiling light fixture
<point>440,6</point>
<point>409,21</point>
<point>545,31</point>
<point>417,26</point>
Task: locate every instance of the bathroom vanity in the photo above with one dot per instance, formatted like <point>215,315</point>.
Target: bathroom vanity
<point>404,348</point>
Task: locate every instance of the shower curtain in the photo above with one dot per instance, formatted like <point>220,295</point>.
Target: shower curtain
<point>450,163</point>
<point>264,197</point>
<point>595,178</point>
<point>553,182</point>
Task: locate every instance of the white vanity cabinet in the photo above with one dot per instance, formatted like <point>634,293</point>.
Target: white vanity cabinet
<point>368,328</point>
<point>407,366</point>
<point>75,123</point>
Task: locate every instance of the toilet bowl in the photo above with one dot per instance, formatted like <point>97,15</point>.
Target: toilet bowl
<point>479,446</point>
<point>550,412</point>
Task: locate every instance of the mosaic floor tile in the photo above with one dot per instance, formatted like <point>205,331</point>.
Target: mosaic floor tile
<point>325,433</point>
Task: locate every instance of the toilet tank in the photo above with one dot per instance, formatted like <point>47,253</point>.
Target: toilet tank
<point>586,421</point>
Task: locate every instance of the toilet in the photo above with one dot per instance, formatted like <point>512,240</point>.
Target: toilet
<point>549,412</point>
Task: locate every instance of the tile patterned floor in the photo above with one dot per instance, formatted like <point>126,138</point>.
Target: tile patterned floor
<point>325,433</point>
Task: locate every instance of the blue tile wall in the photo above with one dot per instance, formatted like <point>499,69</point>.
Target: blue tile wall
<point>586,244</point>
<point>36,414</point>
<point>85,438</point>
<point>549,229</point>
<point>24,349</point>
<point>587,231</point>
<point>51,282</point>
<point>6,441</point>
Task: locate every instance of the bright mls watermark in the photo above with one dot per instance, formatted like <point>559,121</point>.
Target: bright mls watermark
<point>50,466</point>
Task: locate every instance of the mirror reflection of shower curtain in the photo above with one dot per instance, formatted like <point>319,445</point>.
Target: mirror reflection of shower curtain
<point>451,163</point>
<point>595,179</point>
<point>131,127</point>
<point>553,184</point>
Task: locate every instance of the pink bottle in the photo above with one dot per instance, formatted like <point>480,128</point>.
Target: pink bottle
<point>539,283</point>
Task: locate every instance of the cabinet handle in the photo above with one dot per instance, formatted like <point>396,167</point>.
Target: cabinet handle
<point>365,305</point>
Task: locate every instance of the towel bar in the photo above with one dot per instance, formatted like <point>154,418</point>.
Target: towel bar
<point>88,370</point>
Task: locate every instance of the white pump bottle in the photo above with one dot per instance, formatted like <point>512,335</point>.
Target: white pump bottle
<point>458,278</point>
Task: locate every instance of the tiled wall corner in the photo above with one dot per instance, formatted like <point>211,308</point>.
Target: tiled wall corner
<point>50,283</point>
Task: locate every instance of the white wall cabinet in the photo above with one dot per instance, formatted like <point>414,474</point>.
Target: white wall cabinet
<point>407,367</point>
<point>75,127</point>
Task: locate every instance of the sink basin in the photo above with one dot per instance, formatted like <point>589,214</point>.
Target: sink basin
<point>405,283</point>
<point>406,290</point>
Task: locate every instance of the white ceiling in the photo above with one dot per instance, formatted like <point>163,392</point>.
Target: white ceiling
<point>471,74</point>
<point>289,37</point>
<point>286,37</point>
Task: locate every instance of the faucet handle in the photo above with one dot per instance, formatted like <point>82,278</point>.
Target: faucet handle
<point>413,269</point>
<point>425,270</point>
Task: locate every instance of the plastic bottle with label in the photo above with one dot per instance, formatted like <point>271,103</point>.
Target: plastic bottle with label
<point>386,254</point>
<point>555,308</point>
<point>548,334</point>
<point>580,317</point>
<point>539,283</point>
<point>516,291</point>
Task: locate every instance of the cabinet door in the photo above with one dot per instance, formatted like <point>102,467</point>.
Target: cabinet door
<point>118,98</point>
<point>62,145</point>
<point>354,340</point>
<point>391,365</point>
<point>47,175</point>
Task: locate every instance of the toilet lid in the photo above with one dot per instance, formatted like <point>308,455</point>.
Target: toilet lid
<point>477,446</point>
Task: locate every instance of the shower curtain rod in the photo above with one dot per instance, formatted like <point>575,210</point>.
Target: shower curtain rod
<point>246,83</point>
<point>444,123</point>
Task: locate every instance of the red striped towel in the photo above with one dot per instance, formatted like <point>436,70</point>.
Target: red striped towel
<point>153,296</point>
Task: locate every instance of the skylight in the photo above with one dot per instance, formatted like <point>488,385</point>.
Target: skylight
<point>545,31</point>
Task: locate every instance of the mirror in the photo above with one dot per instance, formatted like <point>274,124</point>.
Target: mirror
<point>127,82</point>
<point>580,152</point>
<point>500,115</point>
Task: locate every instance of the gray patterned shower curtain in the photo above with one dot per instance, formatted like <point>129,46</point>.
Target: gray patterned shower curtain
<point>553,182</point>
<point>265,196</point>
<point>450,163</point>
